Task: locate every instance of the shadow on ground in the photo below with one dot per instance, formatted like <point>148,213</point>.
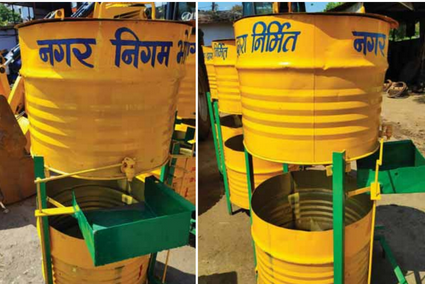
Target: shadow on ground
<point>174,276</point>
<point>420,99</point>
<point>404,232</point>
<point>20,214</point>
<point>222,278</point>
<point>210,183</point>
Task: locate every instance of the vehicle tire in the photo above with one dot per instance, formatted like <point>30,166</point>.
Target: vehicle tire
<point>204,124</point>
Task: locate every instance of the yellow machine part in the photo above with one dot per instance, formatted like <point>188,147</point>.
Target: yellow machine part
<point>209,63</point>
<point>186,105</point>
<point>130,10</point>
<point>24,124</point>
<point>311,84</point>
<point>71,260</point>
<point>294,241</point>
<point>16,98</point>
<point>4,82</point>
<point>100,103</point>
<point>229,98</point>
<point>236,171</point>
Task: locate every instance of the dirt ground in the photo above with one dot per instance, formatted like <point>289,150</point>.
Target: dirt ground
<point>20,254</point>
<point>225,246</point>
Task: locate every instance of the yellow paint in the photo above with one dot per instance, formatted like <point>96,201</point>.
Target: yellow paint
<point>54,211</point>
<point>231,125</point>
<point>209,63</point>
<point>236,171</point>
<point>186,104</point>
<point>324,96</point>
<point>24,125</point>
<point>229,98</point>
<point>111,10</point>
<point>83,118</point>
<point>16,98</point>
<point>286,255</point>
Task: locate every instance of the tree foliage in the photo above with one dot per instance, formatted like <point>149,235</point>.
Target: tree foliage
<point>7,16</point>
<point>332,5</point>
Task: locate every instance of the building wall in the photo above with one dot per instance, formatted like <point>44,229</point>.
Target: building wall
<point>7,38</point>
<point>216,31</point>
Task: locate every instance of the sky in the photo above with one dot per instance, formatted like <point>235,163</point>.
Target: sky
<point>310,6</point>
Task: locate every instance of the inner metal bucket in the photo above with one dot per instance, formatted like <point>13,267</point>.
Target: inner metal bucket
<point>71,260</point>
<point>293,230</point>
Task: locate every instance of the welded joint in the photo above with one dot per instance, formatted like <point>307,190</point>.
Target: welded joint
<point>329,169</point>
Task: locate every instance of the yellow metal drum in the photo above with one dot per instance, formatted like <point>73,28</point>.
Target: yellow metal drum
<point>231,125</point>
<point>71,260</point>
<point>229,98</point>
<point>209,63</point>
<point>311,84</point>
<point>98,91</point>
<point>236,171</point>
<point>186,105</point>
<point>292,230</point>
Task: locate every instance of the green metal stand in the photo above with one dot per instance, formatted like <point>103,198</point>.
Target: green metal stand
<point>223,164</point>
<point>338,202</point>
<point>389,254</point>
<point>42,199</point>
<point>251,187</point>
<point>213,129</point>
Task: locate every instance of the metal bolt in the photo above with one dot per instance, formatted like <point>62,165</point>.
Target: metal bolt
<point>2,70</point>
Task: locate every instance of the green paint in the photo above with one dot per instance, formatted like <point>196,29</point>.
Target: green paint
<point>162,222</point>
<point>397,271</point>
<point>338,215</point>
<point>285,168</point>
<point>39,173</point>
<point>250,181</point>
<point>223,165</point>
<point>402,170</point>
<point>163,175</point>
<point>213,129</point>
<point>175,149</point>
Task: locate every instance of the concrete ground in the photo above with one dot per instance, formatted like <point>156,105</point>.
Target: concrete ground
<point>225,247</point>
<point>20,253</point>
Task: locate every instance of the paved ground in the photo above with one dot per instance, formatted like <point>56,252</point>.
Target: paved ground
<point>225,248</point>
<point>20,254</point>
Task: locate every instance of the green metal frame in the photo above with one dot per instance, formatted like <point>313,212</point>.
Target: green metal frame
<point>223,164</point>
<point>163,221</point>
<point>167,176</point>
<point>402,170</point>
<point>338,204</point>
<point>213,129</point>
<point>47,257</point>
<point>251,187</point>
<point>389,254</point>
